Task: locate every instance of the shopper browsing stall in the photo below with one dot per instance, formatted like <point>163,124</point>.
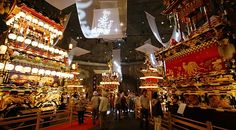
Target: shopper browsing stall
<point>95,100</point>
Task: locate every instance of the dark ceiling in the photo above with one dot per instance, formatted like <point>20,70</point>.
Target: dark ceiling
<point>137,32</point>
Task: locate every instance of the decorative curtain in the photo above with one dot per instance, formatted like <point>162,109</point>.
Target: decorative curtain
<point>96,16</point>
<point>152,23</point>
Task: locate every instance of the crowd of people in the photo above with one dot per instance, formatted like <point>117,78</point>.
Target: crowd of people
<point>120,104</point>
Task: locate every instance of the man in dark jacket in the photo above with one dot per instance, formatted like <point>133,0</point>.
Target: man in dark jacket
<point>157,112</point>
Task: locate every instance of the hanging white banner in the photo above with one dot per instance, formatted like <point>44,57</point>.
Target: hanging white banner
<point>152,23</point>
<point>89,12</point>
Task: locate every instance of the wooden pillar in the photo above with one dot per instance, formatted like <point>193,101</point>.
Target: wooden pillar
<point>37,127</point>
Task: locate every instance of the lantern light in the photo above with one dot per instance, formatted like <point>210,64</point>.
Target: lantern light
<point>27,41</point>
<point>9,66</point>
<point>46,48</point>
<point>60,33</point>
<point>40,45</point>
<point>16,25</point>
<point>35,70</point>
<point>58,74</point>
<point>12,36</point>
<point>41,71</point>
<point>56,51</point>
<point>40,23</point>
<point>20,38</point>
<point>35,21</point>
<point>53,73</point>
<point>22,14</point>
<point>34,43</point>
<point>27,69</point>
<point>28,17</point>
<point>17,16</point>
<point>48,72</point>
<point>19,68</point>
<point>70,46</point>
<point>50,28</point>
<point>51,49</point>
<point>1,66</point>
<point>46,26</point>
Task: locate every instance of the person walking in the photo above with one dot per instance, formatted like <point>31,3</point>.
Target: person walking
<point>81,109</point>
<point>157,112</point>
<point>144,101</point>
<point>103,107</point>
<point>117,106</point>
<point>95,100</point>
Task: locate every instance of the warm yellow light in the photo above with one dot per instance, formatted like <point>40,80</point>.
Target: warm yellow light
<point>35,21</point>
<point>46,48</point>
<point>20,39</point>
<point>40,23</point>
<point>41,71</point>
<point>53,73</point>
<point>1,66</point>
<point>34,43</point>
<point>46,26</point>
<point>9,66</point>
<point>22,14</point>
<point>27,41</point>
<point>27,69</point>
<point>73,66</point>
<point>40,45</point>
<point>149,87</point>
<point>56,51</point>
<point>151,77</point>
<point>74,86</point>
<point>35,70</point>
<point>12,36</point>
<point>16,25</point>
<point>28,17</point>
<point>70,46</point>
<point>110,83</point>
<point>19,68</point>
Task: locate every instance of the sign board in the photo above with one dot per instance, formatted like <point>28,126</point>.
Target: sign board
<point>181,108</point>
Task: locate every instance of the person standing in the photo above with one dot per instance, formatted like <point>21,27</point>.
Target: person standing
<point>95,100</point>
<point>144,101</point>
<point>103,107</point>
<point>157,112</point>
<point>117,106</point>
<point>81,109</point>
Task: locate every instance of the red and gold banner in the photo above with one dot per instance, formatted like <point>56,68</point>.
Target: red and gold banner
<point>203,60</point>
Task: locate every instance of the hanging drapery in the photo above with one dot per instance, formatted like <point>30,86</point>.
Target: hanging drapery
<point>106,23</point>
<point>152,23</point>
<point>149,50</point>
<point>105,19</point>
